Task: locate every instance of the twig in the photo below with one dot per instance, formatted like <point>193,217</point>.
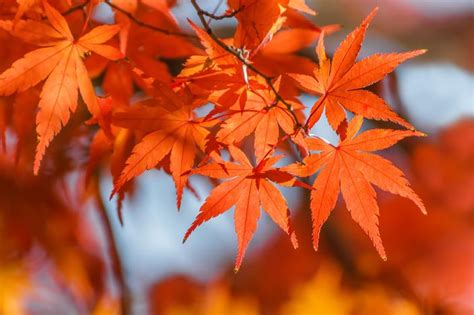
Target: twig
<point>238,55</point>
<point>223,16</point>
<point>209,21</point>
<point>112,250</point>
<point>146,25</point>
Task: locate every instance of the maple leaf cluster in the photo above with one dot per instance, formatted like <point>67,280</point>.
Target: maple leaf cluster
<point>231,113</point>
<point>429,270</point>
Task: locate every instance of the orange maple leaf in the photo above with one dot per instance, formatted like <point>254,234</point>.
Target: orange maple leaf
<point>347,168</point>
<point>248,188</point>
<point>260,20</point>
<point>60,61</point>
<point>172,129</point>
<point>262,116</point>
<point>261,39</point>
<point>339,83</point>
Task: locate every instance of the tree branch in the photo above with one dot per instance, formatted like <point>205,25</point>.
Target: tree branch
<point>244,61</point>
<point>112,250</point>
<point>223,16</point>
<point>146,25</point>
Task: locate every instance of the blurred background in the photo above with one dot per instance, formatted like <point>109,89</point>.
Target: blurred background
<point>430,267</point>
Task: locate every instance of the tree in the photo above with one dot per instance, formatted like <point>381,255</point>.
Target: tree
<point>56,56</point>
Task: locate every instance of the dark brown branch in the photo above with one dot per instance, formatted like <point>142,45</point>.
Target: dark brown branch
<point>223,16</point>
<point>112,250</point>
<point>146,25</point>
<point>244,61</point>
<point>209,20</point>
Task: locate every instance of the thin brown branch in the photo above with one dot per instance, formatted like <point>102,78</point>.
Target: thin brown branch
<point>146,25</point>
<point>112,250</point>
<point>209,20</point>
<point>244,61</point>
<point>223,16</point>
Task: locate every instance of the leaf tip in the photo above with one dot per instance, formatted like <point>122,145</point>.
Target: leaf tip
<point>423,209</point>
<point>239,260</point>
<point>112,194</point>
<point>420,134</point>
<point>178,201</point>
<point>315,241</point>
<point>315,247</point>
<point>188,233</point>
<point>371,15</point>
<point>421,51</point>
<point>381,250</point>
<point>38,158</point>
<point>294,240</point>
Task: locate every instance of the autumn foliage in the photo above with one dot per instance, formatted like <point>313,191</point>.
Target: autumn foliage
<point>227,109</point>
